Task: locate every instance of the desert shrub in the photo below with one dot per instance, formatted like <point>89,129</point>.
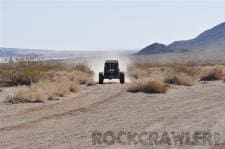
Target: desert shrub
<point>27,70</point>
<point>52,84</point>
<point>50,81</point>
<point>138,71</point>
<point>82,77</point>
<point>180,79</point>
<point>146,70</point>
<point>188,68</point>
<point>82,73</point>
<point>147,86</point>
<point>43,90</point>
<point>212,75</point>
<point>82,67</point>
<point>20,71</point>
<point>78,76</point>
<point>24,70</point>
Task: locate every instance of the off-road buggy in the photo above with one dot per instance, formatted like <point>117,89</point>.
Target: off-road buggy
<point>111,71</point>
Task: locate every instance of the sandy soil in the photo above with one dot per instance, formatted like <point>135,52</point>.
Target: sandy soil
<point>69,123</point>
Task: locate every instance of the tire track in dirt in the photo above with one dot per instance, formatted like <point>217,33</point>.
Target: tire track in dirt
<point>73,112</point>
<point>39,108</point>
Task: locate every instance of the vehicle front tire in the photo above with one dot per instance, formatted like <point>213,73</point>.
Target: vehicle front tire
<point>122,78</point>
<point>101,78</point>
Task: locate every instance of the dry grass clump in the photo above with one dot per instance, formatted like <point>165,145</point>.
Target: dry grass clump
<point>147,86</point>
<point>44,90</point>
<point>212,75</point>
<point>180,79</point>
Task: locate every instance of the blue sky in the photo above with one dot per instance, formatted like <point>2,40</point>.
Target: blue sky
<point>104,25</point>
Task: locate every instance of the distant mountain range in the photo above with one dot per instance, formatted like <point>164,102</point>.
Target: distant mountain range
<point>16,52</point>
<point>7,52</point>
<point>212,39</point>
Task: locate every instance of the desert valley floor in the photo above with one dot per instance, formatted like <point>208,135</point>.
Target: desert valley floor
<point>69,122</point>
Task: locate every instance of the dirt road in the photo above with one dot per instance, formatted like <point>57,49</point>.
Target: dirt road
<point>70,122</point>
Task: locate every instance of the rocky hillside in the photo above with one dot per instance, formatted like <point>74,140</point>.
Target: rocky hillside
<point>212,39</point>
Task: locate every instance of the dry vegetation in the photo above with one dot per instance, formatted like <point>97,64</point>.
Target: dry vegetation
<point>148,70</point>
<point>180,79</point>
<point>39,81</point>
<point>216,73</point>
<point>178,74</point>
<point>138,71</point>
<point>22,71</point>
<point>44,90</point>
<point>147,86</point>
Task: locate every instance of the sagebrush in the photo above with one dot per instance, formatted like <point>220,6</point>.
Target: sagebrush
<point>147,86</point>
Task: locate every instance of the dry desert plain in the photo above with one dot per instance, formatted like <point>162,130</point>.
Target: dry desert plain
<point>71,121</point>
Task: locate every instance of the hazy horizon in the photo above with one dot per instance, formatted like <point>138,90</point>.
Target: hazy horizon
<point>98,25</point>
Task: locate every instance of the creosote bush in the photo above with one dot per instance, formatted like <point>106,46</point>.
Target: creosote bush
<point>147,86</point>
<point>212,75</point>
<point>180,79</point>
<point>24,70</point>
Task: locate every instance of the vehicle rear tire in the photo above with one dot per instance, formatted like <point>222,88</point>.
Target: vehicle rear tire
<point>101,78</point>
<point>122,78</point>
